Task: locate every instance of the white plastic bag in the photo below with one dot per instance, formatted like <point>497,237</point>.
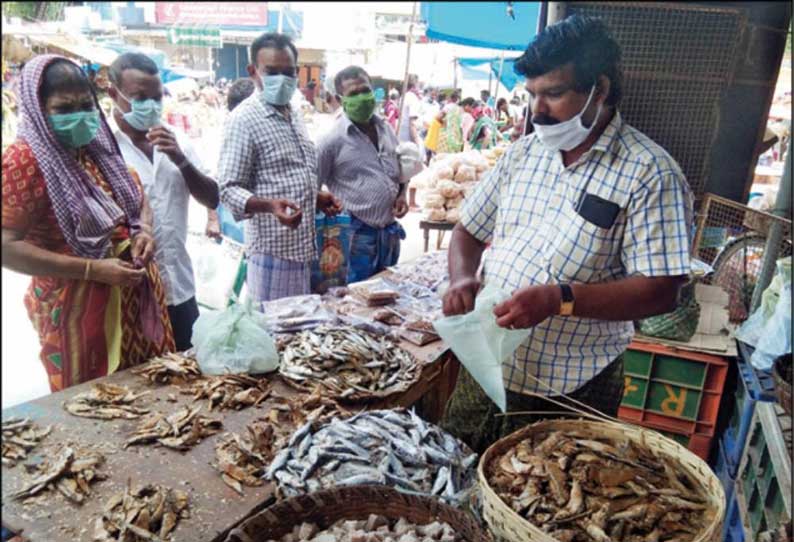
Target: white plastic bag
<point>480,344</point>
<point>411,160</point>
<point>768,329</point>
<point>216,267</point>
<point>234,341</point>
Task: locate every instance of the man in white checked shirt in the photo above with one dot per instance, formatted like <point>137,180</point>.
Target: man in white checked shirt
<point>589,226</point>
<point>267,173</point>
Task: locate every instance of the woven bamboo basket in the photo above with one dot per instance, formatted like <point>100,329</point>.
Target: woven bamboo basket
<point>324,508</point>
<point>505,524</point>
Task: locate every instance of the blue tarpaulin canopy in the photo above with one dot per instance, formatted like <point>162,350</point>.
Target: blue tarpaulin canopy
<point>482,24</point>
<point>508,77</point>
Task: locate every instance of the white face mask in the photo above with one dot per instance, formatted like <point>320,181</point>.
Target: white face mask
<point>567,135</point>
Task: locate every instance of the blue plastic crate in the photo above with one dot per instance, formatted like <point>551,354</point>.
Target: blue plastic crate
<point>732,530</point>
<point>723,474</point>
<point>753,386</point>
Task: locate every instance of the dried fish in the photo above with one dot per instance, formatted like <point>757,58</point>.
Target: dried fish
<point>392,447</point>
<point>181,430</point>
<point>70,472</point>
<point>243,460</point>
<point>106,402</point>
<point>350,363</point>
<point>429,270</point>
<point>583,487</point>
<point>169,368</point>
<point>373,528</point>
<point>232,391</point>
<point>149,513</point>
<point>20,436</point>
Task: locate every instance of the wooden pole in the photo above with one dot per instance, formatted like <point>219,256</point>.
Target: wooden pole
<point>407,73</point>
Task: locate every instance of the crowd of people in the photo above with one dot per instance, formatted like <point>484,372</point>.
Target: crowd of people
<point>587,221</point>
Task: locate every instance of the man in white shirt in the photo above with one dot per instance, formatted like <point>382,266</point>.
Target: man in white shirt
<point>170,171</point>
<point>410,112</point>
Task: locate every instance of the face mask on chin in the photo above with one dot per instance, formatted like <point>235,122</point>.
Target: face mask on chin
<point>569,134</point>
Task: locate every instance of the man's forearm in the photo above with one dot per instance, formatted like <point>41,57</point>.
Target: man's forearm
<point>465,252</point>
<point>201,187</point>
<point>633,298</point>
<point>256,205</point>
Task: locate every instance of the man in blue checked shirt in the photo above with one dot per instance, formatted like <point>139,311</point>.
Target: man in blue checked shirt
<point>589,224</point>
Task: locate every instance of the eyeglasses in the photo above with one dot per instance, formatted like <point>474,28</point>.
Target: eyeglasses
<point>289,72</point>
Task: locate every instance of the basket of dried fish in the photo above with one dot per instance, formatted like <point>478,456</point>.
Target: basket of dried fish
<point>390,447</point>
<point>354,365</point>
<point>575,480</point>
<point>363,513</point>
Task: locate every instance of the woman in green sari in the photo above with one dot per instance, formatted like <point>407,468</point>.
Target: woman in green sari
<point>450,138</point>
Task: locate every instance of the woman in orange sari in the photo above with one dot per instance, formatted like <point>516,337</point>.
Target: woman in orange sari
<point>76,219</point>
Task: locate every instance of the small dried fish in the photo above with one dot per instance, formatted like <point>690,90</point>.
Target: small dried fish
<point>70,472</point>
<point>20,436</point>
<point>106,402</point>
<point>233,392</point>
<point>352,364</point>
<point>181,430</point>
<point>373,528</point>
<point>169,368</point>
<point>149,513</point>
<point>242,460</point>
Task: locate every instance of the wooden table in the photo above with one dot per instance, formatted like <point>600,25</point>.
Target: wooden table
<point>441,227</point>
<point>215,508</point>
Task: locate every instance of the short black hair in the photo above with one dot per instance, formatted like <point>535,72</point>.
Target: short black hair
<point>351,72</point>
<point>455,96</point>
<point>239,91</point>
<point>468,102</point>
<point>584,41</point>
<point>131,61</point>
<point>272,40</point>
<point>485,93</point>
<point>63,76</point>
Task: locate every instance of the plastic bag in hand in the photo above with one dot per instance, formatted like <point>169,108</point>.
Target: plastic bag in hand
<point>480,344</point>
<point>411,160</point>
<point>234,341</point>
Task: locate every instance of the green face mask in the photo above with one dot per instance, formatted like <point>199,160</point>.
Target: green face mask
<point>359,108</point>
<point>75,130</point>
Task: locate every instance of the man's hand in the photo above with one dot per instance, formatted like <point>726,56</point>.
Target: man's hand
<point>142,248</point>
<point>327,203</point>
<point>213,228</point>
<point>529,306</point>
<point>286,212</point>
<point>165,142</point>
<point>115,272</point>
<point>459,298</point>
<point>400,208</point>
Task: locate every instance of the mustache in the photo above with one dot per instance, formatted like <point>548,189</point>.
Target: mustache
<point>544,120</point>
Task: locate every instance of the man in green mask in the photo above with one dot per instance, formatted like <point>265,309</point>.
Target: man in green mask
<point>357,160</point>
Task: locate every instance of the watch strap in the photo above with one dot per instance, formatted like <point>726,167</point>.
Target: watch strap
<point>566,300</point>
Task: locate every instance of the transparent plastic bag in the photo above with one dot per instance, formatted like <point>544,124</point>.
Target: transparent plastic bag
<point>480,344</point>
<point>234,341</point>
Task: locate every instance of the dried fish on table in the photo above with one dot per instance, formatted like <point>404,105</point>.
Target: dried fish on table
<point>582,487</point>
<point>375,292</point>
<point>374,528</point>
<point>390,447</point>
<point>169,368</point>
<point>388,316</point>
<point>315,407</point>
<point>149,513</point>
<point>181,430</point>
<point>70,473</point>
<point>243,460</point>
<point>429,270</point>
<point>106,402</point>
<point>352,364</point>
<point>232,391</point>
<point>20,436</point>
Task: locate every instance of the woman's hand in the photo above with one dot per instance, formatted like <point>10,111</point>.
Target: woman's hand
<point>142,248</point>
<point>115,272</point>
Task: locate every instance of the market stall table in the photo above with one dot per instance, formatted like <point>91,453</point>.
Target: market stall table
<point>214,507</point>
<point>441,227</point>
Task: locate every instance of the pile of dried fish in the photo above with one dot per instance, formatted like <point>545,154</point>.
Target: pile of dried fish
<point>181,430</point>
<point>373,529</point>
<point>429,270</point>
<point>19,438</point>
<point>169,368</point>
<point>69,472</point>
<point>232,391</point>
<point>242,460</point>
<point>315,407</point>
<point>578,487</point>
<point>149,513</point>
<point>106,402</point>
<point>391,447</point>
<point>349,362</point>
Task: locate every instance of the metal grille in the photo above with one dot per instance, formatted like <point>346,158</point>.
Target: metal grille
<point>677,60</point>
<point>732,238</point>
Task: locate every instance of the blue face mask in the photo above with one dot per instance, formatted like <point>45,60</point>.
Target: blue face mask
<point>278,89</point>
<point>144,114</point>
<point>75,130</point>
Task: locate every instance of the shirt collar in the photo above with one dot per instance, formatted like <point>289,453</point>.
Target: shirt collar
<point>608,139</point>
<point>348,124</point>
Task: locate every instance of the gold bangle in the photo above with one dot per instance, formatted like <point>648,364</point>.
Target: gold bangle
<point>87,270</point>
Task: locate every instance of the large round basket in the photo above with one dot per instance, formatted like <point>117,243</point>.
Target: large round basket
<point>507,525</point>
<point>782,367</point>
<point>326,507</point>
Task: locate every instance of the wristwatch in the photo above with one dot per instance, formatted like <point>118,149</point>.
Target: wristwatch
<point>566,302</point>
